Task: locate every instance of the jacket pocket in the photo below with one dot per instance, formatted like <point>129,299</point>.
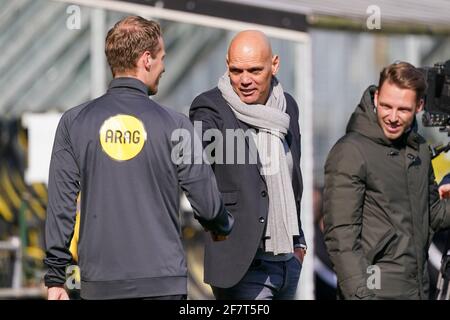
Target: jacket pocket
<point>230,198</point>
<point>363,293</point>
<point>381,246</point>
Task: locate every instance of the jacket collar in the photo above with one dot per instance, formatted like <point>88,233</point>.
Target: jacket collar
<point>128,82</point>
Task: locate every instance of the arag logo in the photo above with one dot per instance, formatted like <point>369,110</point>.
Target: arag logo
<point>122,137</point>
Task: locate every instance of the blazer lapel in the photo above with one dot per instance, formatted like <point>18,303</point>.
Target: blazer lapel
<point>251,151</point>
<point>293,142</point>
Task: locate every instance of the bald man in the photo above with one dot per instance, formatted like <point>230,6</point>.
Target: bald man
<point>258,175</point>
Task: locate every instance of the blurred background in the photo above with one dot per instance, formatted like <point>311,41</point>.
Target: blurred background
<point>52,59</point>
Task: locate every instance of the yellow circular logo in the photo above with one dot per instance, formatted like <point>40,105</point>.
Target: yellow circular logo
<point>122,137</point>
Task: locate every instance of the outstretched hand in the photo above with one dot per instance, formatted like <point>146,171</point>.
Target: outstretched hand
<point>217,237</point>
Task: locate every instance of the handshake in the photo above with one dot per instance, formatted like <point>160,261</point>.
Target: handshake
<point>217,237</point>
<point>219,227</point>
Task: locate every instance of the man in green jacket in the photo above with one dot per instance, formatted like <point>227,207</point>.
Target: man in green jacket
<point>381,201</point>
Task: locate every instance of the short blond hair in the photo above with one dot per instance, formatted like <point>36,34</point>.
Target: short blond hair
<point>128,40</point>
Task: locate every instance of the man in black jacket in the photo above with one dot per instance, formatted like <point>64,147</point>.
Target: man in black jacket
<point>118,150</point>
<point>259,178</point>
<point>381,201</point>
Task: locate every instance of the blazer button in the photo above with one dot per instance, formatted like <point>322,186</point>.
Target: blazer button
<point>262,220</point>
<point>264,193</point>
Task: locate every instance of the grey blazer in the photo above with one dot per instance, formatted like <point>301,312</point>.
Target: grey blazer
<point>244,192</point>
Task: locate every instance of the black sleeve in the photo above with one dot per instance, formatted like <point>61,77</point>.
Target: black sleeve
<point>345,187</point>
<point>197,180</point>
<point>63,189</point>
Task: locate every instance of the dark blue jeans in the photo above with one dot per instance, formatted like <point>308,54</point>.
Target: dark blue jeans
<point>265,280</point>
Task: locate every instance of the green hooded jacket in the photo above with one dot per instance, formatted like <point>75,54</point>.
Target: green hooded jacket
<point>381,207</point>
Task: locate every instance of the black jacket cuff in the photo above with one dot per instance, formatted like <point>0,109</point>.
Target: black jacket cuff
<point>299,241</point>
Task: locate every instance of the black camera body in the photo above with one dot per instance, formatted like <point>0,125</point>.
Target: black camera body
<point>437,96</point>
<point>437,114</point>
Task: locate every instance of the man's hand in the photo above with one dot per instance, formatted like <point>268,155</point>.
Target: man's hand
<point>444,191</point>
<point>57,293</point>
<point>300,253</point>
<point>216,237</point>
